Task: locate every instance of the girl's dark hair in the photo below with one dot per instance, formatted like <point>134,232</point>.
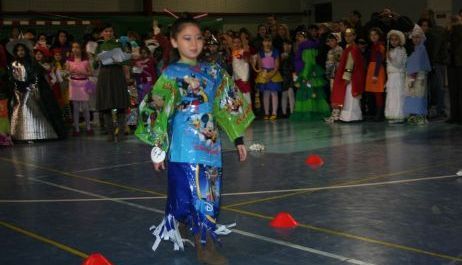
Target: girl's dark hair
<point>83,52</point>
<point>377,30</point>
<point>422,20</point>
<point>56,39</point>
<point>146,49</point>
<point>331,36</point>
<point>27,55</point>
<point>268,37</point>
<point>106,26</point>
<point>180,23</point>
<point>287,41</point>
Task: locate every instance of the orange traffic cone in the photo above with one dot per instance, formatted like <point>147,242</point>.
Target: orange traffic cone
<point>283,220</point>
<point>314,161</point>
<point>96,259</point>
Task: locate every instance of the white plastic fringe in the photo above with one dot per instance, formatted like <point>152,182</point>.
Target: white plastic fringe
<point>160,232</point>
<point>257,148</point>
<point>224,230</point>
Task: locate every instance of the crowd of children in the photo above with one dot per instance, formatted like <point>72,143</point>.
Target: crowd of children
<point>339,71</point>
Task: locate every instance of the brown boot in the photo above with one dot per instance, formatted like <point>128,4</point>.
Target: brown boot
<point>183,230</point>
<point>109,126</point>
<point>121,127</point>
<point>208,254</point>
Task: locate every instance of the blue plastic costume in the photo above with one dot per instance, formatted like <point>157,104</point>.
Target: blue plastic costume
<point>180,116</point>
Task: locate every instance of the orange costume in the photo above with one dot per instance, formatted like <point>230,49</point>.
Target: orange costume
<point>376,69</point>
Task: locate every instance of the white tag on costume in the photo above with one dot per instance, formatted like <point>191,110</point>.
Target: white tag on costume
<point>157,155</point>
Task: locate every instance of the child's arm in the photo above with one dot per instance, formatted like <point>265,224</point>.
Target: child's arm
<point>232,112</point>
<point>349,68</point>
<point>155,111</point>
<point>256,63</point>
<point>89,69</point>
<point>378,64</point>
<point>275,70</point>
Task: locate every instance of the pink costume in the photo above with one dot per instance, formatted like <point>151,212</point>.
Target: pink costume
<point>78,80</point>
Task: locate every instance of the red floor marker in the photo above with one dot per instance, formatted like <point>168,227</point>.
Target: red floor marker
<point>283,220</point>
<point>96,259</point>
<point>314,161</point>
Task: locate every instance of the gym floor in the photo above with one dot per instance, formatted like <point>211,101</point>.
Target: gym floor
<point>386,194</point>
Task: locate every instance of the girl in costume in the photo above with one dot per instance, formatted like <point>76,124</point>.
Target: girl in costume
<point>287,71</point>
<point>348,82</point>
<point>80,87</point>
<point>179,117</point>
<point>36,114</point>
<point>41,58</point>
<point>269,80</point>
<point>145,72</point>
<point>5,138</point>
<point>310,101</point>
<point>240,62</point>
<point>60,83</point>
<point>396,71</point>
<point>418,65</point>
<point>333,58</point>
<point>375,78</point>
<point>111,87</point>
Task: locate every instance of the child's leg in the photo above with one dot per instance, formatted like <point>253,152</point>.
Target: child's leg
<point>285,95</point>
<point>266,99</point>
<point>275,100</point>
<point>379,104</point>
<point>76,114</point>
<point>247,97</point>
<point>291,95</point>
<point>86,113</point>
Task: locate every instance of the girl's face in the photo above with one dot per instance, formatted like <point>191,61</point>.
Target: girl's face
<point>416,39</point>
<point>287,47</point>
<point>299,37</point>
<point>237,44</point>
<point>76,50</point>
<point>425,27</point>
<point>267,45</point>
<point>394,41</point>
<point>332,43</point>
<point>38,56</point>
<point>62,37</point>
<point>189,42</point>
<point>282,31</point>
<point>262,31</point>
<point>144,54</point>
<point>108,33</point>
<point>20,52</point>
<point>374,36</point>
<point>243,36</point>
<point>42,39</point>
<point>350,37</point>
<point>213,48</point>
<point>58,57</point>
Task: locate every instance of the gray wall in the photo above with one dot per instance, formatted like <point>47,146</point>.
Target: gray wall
<point>341,8</point>
<point>72,5</point>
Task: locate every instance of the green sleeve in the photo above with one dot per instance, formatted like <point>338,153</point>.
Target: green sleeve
<point>155,111</point>
<point>231,111</point>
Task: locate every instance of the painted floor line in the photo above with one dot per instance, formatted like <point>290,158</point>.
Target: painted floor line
<point>111,167</point>
<point>342,186</point>
<point>404,181</point>
<point>243,233</point>
<point>276,197</point>
<point>43,239</point>
<point>83,200</point>
<point>299,247</point>
<point>350,182</point>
